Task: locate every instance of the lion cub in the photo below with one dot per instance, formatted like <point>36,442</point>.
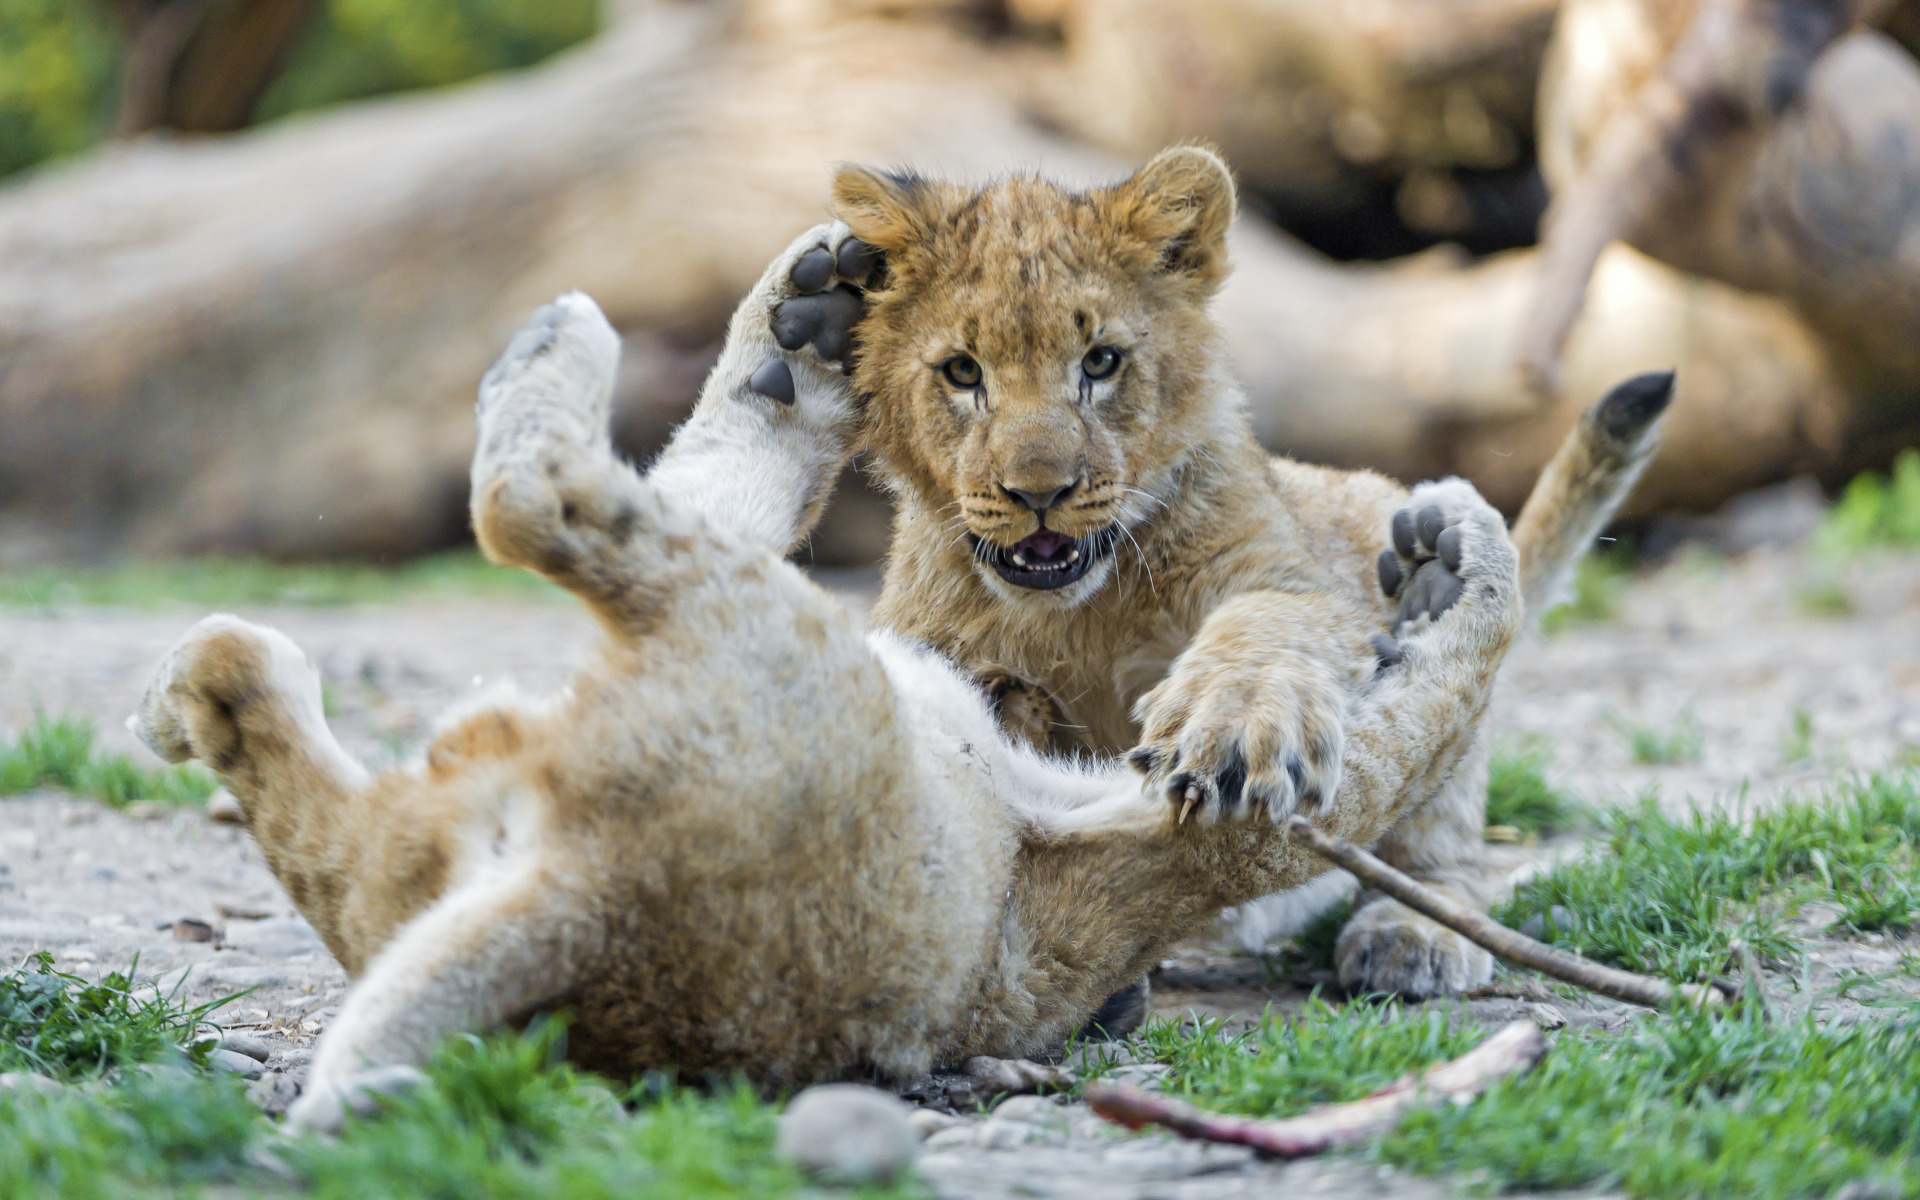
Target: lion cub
<point>1082,506</point>
<point>749,837</point>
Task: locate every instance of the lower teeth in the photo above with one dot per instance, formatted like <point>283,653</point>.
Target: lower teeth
<point>1073,554</point>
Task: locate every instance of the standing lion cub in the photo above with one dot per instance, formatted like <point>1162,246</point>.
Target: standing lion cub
<point>1082,506</point>
<point>749,837</point>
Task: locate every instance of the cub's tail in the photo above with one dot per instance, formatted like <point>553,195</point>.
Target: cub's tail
<point>1584,484</point>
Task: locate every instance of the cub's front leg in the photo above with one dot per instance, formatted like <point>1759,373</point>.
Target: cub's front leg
<point>1253,713</point>
<point>776,419</point>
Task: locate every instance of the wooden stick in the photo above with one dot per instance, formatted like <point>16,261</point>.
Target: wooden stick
<point>1492,935</point>
<point>1512,1051</point>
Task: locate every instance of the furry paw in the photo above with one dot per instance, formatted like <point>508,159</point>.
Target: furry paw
<point>189,709</point>
<point>809,300</point>
<point>1445,537</point>
<point>1231,739</point>
<point>325,1107</point>
<point>1387,947</point>
<point>565,356</point>
<point>1026,711</point>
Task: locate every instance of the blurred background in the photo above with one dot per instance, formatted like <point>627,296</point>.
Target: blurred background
<point>255,254</point>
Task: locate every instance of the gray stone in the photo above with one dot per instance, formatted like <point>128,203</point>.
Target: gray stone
<point>1535,926</point>
<point>273,1092</point>
<point>847,1134</point>
<point>244,1043</point>
<point>239,1064</point>
<point>29,1081</point>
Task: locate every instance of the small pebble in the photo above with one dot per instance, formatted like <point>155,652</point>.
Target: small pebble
<point>28,1081</point>
<point>253,1047</point>
<point>239,1064</point>
<point>193,929</point>
<point>224,809</point>
<point>1535,926</point>
<point>847,1134</point>
<point>1548,1017</point>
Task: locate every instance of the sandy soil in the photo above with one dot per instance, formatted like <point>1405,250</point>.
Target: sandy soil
<point>1728,645</point>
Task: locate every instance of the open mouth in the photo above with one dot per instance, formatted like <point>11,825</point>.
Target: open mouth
<point>1046,559</point>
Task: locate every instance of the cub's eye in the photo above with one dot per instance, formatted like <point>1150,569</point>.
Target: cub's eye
<point>961,371</point>
<point>1100,362</point>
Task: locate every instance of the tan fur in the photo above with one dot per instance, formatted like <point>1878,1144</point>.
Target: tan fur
<point>1212,629</point>
<point>748,838</point>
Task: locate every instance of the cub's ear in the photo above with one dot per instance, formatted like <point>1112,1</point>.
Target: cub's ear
<point>1179,205</point>
<point>888,209</point>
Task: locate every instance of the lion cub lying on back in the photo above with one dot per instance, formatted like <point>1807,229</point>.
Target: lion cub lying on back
<point>749,838</point>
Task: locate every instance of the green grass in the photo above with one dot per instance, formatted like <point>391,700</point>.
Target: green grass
<point>70,1029</point>
<point>230,583</point>
<point>1797,746</point>
<point>1668,896</point>
<point>500,1117</point>
<point>1518,794</point>
<point>1656,746</point>
<point>1598,581</point>
<point>1875,511</point>
<point>1696,1104</point>
<point>60,752</point>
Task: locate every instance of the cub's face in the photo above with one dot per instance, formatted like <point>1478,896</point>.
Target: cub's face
<point>1038,363</point>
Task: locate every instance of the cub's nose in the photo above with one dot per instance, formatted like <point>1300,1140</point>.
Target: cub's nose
<point>1038,501</point>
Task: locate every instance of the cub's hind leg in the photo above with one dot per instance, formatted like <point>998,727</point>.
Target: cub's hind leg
<point>245,701</point>
<point>1385,946</point>
<point>509,938</point>
<point>756,460</point>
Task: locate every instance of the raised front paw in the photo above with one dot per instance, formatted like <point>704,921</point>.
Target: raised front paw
<point>809,300</point>
<point>1387,947</point>
<point>1442,540</point>
<point>1235,738</point>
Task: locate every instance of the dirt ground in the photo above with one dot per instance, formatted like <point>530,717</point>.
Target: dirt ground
<point>1728,645</point>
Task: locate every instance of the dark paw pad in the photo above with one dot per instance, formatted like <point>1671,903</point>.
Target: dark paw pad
<point>826,319</point>
<point>774,380</point>
<point>1421,569</point>
<point>1433,591</point>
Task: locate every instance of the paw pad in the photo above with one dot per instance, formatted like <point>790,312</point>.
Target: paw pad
<point>1420,569</point>
<point>774,380</point>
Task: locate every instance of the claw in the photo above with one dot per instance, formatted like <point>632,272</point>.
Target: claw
<point>1193,798</point>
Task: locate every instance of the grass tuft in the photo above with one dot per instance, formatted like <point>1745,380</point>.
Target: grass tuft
<point>1653,746</point>
<point>500,1117</point>
<point>1598,581</point>
<point>238,583</point>
<point>1875,511</point>
<point>1698,1104</point>
<point>1668,896</point>
<point>70,1029</point>
<point>1701,1103</point>
<point>60,752</point>
<point>1518,794</point>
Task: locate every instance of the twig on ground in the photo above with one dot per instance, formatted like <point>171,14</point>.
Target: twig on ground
<point>1497,938</point>
<point>1512,1051</point>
